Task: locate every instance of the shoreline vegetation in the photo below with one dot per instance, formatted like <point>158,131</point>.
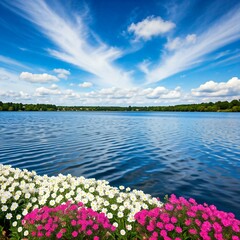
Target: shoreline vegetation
<point>67,207</point>
<point>220,106</point>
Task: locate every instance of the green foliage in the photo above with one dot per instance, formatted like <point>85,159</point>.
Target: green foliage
<point>220,106</point>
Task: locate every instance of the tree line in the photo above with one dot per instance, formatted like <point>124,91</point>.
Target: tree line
<point>220,106</point>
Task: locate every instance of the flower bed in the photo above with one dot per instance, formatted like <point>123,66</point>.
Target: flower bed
<point>67,207</point>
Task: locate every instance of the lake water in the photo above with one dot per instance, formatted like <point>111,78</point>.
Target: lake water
<point>189,154</point>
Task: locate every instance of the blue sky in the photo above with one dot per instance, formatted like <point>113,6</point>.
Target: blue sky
<point>133,52</point>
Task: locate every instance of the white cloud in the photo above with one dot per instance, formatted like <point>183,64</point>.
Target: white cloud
<point>230,88</point>
<point>38,78</point>
<point>177,42</point>
<point>15,95</point>
<point>85,85</point>
<point>62,73</point>
<point>134,95</point>
<point>150,27</point>
<point>41,91</point>
<point>224,31</point>
<point>70,36</point>
<point>10,81</point>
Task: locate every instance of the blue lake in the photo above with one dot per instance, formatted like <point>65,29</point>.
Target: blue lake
<point>189,154</point>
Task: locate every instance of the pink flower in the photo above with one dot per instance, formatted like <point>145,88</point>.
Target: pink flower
<point>74,233</point>
<point>163,233</point>
<point>205,216</point>
<point>174,220</point>
<point>191,214</point>
<point>198,222</point>
<point>235,238</point>
<point>192,231</point>
<point>217,227</point>
<point>150,228</point>
<point>169,227</point>
<point>40,234</point>
<point>188,222</point>
<point>59,235</point>
<point>95,227</point>
<point>160,225</point>
<point>89,232</point>
<point>73,222</point>
<point>178,229</point>
<point>169,207</point>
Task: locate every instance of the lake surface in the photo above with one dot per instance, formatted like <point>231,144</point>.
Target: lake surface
<point>189,154</point>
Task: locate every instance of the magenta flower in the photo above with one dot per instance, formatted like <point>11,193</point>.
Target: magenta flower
<point>180,218</point>
<point>74,233</point>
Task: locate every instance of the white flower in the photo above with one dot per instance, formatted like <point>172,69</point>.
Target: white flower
<point>25,212</point>
<point>13,206</point>
<point>115,224</point>
<point>52,202</point>
<point>14,224</point>
<point>104,210</point>
<point>114,207</point>
<point>122,232</point>
<point>34,199</point>
<point>121,208</point>
<point>121,187</point>
<point>4,208</point>
<point>8,216</point>
<point>27,195</point>
<point>54,195</point>
<point>20,229</point>
<point>26,233</point>
<point>109,215</point>
<point>119,200</point>
<point>18,217</point>
<point>120,214</point>
<point>129,227</point>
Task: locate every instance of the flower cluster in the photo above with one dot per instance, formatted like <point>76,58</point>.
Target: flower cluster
<point>67,221</point>
<point>186,219</point>
<point>21,191</point>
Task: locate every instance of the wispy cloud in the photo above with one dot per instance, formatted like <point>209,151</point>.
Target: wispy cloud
<point>10,61</point>
<point>177,42</point>
<point>70,36</point>
<point>224,31</point>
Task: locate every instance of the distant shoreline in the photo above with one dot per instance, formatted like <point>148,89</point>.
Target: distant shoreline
<point>220,106</point>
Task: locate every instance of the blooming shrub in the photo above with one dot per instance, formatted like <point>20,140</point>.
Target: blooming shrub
<point>67,221</point>
<point>186,219</point>
<point>21,191</point>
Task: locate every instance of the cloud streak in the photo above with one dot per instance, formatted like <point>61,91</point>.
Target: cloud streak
<point>69,34</point>
<point>10,61</point>
<point>219,34</point>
